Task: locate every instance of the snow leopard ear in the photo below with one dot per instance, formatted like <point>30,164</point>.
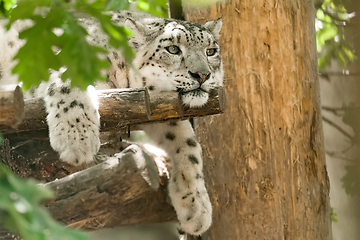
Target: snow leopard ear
<point>137,28</point>
<point>214,27</point>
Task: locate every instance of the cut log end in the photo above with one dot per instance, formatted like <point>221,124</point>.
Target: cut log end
<point>11,105</point>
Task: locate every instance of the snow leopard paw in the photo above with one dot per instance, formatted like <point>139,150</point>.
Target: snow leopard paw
<point>74,123</point>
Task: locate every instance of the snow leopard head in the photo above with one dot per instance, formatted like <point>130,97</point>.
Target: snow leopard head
<point>174,55</point>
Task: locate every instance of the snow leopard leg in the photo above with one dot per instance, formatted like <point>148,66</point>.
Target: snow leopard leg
<point>73,121</point>
<point>186,186</point>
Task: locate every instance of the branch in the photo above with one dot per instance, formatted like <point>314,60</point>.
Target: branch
<point>336,111</point>
<point>346,134</point>
<point>334,17</point>
<point>121,191</point>
<point>120,108</point>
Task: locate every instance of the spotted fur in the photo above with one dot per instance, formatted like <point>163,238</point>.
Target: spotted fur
<point>172,55</point>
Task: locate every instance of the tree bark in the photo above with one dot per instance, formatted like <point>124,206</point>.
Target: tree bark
<point>121,191</point>
<point>264,158</point>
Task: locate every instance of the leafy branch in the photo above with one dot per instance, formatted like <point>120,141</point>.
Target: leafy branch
<point>331,19</point>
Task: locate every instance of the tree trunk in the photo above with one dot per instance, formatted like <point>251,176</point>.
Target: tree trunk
<point>264,158</point>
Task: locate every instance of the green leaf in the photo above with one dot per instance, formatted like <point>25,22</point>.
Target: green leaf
<point>22,213</point>
<point>6,6</point>
<point>115,5</point>
<point>25,9</point>
<point>334,217</point>
<point>351,180</point>
<point>157,8</point>
<point>352,118</point>
<point>80,58</point>
<point>117,35</point>
<point>36,57</point>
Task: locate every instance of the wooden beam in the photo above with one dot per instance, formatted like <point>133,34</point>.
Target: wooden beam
<point>120,108</point>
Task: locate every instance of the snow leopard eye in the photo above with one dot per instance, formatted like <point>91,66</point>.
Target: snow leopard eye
<point>210,52</point>
<point>173,49</point>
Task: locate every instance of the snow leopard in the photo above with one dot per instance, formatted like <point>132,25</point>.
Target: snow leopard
<point>171,55</point>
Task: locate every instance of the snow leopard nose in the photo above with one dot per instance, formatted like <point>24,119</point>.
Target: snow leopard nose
<point>200,77</point>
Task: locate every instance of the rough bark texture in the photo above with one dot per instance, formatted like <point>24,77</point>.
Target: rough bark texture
<point>264,158</point>
<point>120,108</point>
<point>123,190</point>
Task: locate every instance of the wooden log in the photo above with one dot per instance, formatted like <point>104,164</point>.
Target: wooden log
<point>123,190</point>
<point>11,105</point>
<point>120,108</point>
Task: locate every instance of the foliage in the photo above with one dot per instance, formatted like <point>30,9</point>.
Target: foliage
<point>81,59</point>
<point>334,217</point>
<point>155,7</point>
<point>21,211</point>
<point>351,180</point>
<point>332,19</point>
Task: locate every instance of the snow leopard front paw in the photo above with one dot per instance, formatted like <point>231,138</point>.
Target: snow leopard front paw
<point>74,123</point>
<point>76,140</point>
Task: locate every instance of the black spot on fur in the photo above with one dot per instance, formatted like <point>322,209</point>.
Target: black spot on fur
<point>185,196</point>
<point>81,105</point>
<point>178,150</point>
<point>144,81</point>
<point>65,90</point>
<point>198,228</point>
<point>191,142</point>
<point>121,65</point>
<point>116,56</point>
<point>66,109</point>
<point>51,89</point>
<point>73,103</point>
<point>11,44</point>
<point>57,115</point>
<point>77,120</point>
<point>170,136</point>
<point>193,159</point>
<point>151,87</point>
